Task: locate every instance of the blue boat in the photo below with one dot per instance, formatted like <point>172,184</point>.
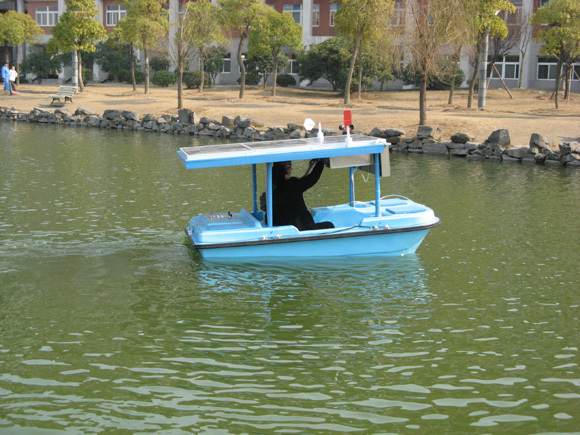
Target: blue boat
<point>386,226</point>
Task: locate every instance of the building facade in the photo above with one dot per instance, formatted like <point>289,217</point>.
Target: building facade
<point>516,63</point>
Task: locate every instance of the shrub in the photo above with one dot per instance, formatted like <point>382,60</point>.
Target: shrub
<point>285,80</point>
<point>252,79</point>
<point>113,59</point>
<point>87,75</point>
<point>164,78</point>
<point>439,79</point>
<point>40,63</point>
<point>192,79</point>
<point>159,64</point>
<point>214,61</point>
<point>367,83</point>
<point>125,76</point>
<point>328,60</point>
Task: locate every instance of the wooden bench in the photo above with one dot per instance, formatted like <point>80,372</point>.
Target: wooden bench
<point>64,93</point>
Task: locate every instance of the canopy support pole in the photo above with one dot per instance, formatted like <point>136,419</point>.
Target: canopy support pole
<point>378,185</point>
<point>351,184</point>
<point>255,189</point>
<point>269,197</point>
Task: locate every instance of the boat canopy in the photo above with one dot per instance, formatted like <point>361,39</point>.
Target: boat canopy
<point>346,148</point>
<point>251,153</point>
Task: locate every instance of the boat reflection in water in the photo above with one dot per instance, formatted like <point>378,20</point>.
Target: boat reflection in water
<point>317,288</point>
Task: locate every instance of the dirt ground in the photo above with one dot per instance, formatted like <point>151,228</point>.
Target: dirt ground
<point>530,111</point>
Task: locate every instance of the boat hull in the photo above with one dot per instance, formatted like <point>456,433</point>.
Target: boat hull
<point>399,230</point>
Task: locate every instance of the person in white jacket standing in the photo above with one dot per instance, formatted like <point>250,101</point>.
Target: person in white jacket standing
<point>13,75</point>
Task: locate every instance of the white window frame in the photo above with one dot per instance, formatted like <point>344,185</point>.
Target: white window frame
<point>291,68</point>
<point>227,68</point>
<point>552,70</point>
<point>398,18</point>
<point>315,15</point>
<point>114,14</point>
<point>295,10</point>
<point>575,67</point>
<point>334,7</point>
<point>515,19</point>
<point>502,64</point>
<point>46,16</point>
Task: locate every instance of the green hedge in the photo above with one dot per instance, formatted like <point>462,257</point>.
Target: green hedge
<point>285,80</point>
<point>192,79</point>
<point>125,76</point>
<point>164,78</point>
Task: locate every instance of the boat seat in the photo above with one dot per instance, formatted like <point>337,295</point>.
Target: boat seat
<point>230,220</point>
<point>405,208</point>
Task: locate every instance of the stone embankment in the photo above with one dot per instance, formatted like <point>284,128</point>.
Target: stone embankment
<point>497,147</point>
<point>428,140</point>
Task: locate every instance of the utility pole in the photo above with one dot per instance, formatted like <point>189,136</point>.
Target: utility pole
<point>483,72</point>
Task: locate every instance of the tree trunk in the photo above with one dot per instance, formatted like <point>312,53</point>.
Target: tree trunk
<point>557,88</point>
<point>472,83</point>
<point>275,59</point>
<point>146,52</point>
<point>242,67</point>
<point>201,71</point>
<point>423,100</point>
<point>451,89</point>
<point>133,79</point>
<point>568,78</point>
<point>180,74</point>
<point>360,74</point>
<point>522,63</point>
<point>351,70</point>
<point>80,66</point>
<point>17,63</point>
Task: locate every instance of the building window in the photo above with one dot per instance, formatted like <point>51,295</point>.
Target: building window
<point>547,68</point>
<point>227,63</point>
<point>508,67</point>
<point>295,11</point>
<point>398,18</point>
<point>515,19</point>
<point>292,67</point>
<point>576,72</point>
<point>115,13</point>
<point>333,8</point>
<point>315,15</point>
<point>47,16</point>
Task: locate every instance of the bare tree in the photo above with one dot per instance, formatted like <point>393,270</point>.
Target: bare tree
<point>239,17</point>
<point>361,20</point>
<point>558,22</point>
<point>435,25</point>
<point>455,58</point>
<point>485,22</point>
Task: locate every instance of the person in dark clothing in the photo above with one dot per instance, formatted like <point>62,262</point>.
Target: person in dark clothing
<point>288,205</point>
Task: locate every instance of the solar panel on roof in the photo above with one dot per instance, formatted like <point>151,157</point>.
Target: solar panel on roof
<point>278,150</point>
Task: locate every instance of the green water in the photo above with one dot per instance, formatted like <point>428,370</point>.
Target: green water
<point>110,323</point>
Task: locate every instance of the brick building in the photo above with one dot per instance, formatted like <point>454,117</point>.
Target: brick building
<point>520,64</point>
